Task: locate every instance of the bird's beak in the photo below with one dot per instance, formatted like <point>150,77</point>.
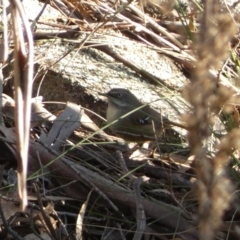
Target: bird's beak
<point>103,94</point>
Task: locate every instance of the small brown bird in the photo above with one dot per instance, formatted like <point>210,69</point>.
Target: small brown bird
<point>134,121</point>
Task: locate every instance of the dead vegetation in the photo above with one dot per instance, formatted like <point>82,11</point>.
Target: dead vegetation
<point>83,183</point>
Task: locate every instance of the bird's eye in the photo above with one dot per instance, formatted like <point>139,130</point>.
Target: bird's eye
<point>119,95</point>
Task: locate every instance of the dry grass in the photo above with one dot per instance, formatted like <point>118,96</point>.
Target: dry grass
<point>111,190</point>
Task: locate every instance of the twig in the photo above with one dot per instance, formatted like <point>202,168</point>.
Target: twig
<point>141,218</point>
<point>12,232</point>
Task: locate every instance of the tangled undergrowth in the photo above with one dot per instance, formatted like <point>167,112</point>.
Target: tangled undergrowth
<point>80,182</point>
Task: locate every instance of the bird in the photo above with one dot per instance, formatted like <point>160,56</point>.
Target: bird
<point>132,120</point>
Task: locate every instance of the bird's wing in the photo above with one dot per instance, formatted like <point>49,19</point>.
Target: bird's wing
<point>141,119</point>
<point>145,119</point>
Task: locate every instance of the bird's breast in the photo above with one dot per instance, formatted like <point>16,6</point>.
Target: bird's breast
<point>112,114</point>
